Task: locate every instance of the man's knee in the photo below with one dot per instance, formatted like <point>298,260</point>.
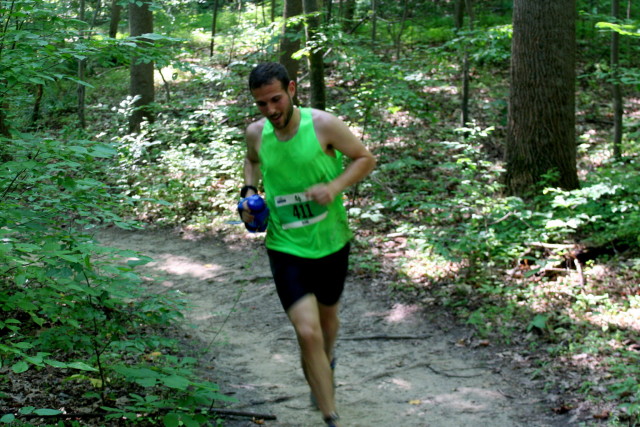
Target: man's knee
<point>309,333</point>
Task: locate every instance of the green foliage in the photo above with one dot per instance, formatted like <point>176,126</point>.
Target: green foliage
<point>189,159</point>
<point>606,210</point>
<point>67,303</point>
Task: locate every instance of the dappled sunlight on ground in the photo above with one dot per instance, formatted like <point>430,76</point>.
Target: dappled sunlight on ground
<point>401,312</point>
<point>179,265</point>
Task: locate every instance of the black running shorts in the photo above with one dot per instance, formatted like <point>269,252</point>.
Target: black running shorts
<point>296,277</point>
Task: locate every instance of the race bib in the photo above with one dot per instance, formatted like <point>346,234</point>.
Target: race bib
<point>297,210</point>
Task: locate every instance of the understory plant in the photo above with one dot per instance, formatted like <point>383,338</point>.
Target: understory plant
<point>71,308</point>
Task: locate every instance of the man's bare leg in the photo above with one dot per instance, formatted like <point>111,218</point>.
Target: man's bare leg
<point>330,324</point>
<point>305,317</point>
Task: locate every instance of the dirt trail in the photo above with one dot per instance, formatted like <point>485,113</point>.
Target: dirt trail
<point>384,377</point>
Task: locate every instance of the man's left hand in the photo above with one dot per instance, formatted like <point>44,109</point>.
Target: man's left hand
<point>321,193</point>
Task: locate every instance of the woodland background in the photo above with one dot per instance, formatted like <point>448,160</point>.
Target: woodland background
<point>507,191</point>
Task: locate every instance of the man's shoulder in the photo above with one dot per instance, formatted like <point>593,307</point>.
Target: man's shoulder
<point>254,130</point>
<point>323,119</point>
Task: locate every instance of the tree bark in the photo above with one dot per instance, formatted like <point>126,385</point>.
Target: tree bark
<point>374,21</point>
<point>461,6</point>
<point>116,11</point>
<point>141,74</point>
<point>82,65</point>
<point>214,24</point>
<point>616,88</point>
<point>349,9</point>
<point>290,42</point>
<point>403,22</point>
<point>316,57</point>
<point>541,125</point>
<point>4,126</point>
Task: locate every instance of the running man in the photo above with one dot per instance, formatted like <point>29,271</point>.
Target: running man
<point>298,154</point>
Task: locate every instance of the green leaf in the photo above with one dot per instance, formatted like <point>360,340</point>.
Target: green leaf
<point>7,418</point>
<point>103,151</point>
<point>539,322</point>
<point>176,381</point>
<point>23,345</point>
<point>81,366</point>
<point>146,382</point>
<point>188,421</point>
<point>171,420</point>
<point>80,82</point>
<point>46,412</point>
<point>55,363</point>
<point>27,410</point>
<point>20,367</point>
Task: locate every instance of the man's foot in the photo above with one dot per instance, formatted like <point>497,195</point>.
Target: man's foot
<point>332,420</point>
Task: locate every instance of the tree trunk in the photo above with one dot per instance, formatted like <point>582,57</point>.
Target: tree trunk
<point>460,7</point>
<point>403,21</point>
<point>116,11</point>
<point>273,11</point>
<point>616,89</point>
<point>214,24</point>
<point>82,65</point>
<point>4,126</point>
<point>316,57</point>
<point>141,81</point>
<point>290,42</point>
<point>374,20</point>
<point>541,126</point>
<point>349,9</point>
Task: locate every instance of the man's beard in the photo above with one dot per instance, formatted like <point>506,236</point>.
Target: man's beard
<point>287,116</point>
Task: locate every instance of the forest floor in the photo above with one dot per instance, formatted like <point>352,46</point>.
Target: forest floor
<point>397,363</point>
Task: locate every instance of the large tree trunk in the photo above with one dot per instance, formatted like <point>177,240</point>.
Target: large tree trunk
<point>316,57</point>
<point>141,81</point>
<point>290,42</point>
<point>541,128</point>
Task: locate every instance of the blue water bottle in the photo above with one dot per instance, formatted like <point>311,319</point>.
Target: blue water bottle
<point>257,208</point>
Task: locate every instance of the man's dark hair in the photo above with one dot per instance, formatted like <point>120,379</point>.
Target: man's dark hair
<point>265,73</point>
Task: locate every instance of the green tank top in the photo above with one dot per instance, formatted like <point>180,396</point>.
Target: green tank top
<point>299,226</point>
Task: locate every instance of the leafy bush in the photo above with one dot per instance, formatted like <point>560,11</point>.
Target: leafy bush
<point>67,303</point>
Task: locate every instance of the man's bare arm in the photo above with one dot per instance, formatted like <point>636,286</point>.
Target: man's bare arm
<point>252,174</point>
<point>337,134</point>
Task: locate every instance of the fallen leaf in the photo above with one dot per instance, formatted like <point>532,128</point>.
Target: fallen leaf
<point>602,415</point>
<point>257,421</point>
<point>415,402</point>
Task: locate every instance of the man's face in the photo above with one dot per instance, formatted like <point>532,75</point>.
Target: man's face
<point>274,102</point>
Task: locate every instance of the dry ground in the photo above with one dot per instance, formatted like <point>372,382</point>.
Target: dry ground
<point>398,364</point>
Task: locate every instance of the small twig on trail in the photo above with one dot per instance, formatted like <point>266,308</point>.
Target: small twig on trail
<point>372,337</point>
<point>278,399</point>
<point>247,414</point>
<point>417,365</point>
<point>384,337</point>
<point>508,396</point>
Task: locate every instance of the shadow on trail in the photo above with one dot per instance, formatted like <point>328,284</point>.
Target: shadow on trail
<point>395,365</point>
